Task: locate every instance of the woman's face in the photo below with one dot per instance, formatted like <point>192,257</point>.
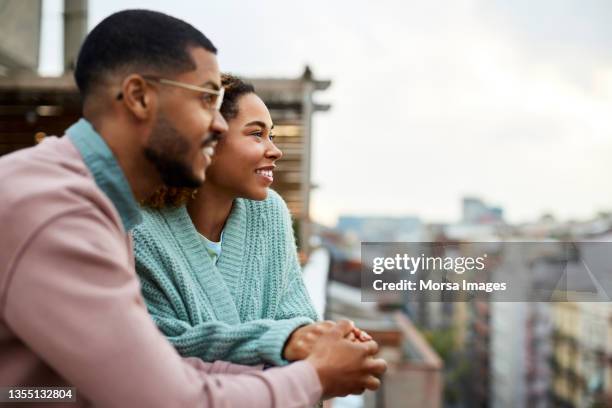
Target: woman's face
<point>243,164</point>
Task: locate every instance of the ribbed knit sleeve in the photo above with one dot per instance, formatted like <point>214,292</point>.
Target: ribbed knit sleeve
<point>189,319</point>
<point>250,343</point>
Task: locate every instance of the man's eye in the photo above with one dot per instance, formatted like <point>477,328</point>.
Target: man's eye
<point>258,134</point>
<point>272,137</point>
<point>209,99</point>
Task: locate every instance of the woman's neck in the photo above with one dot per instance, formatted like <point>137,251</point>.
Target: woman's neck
<point>209,211</point>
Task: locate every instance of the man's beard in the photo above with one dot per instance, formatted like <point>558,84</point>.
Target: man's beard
<point>168,150</point>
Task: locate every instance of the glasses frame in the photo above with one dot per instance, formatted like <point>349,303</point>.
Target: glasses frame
<point>218,92</point>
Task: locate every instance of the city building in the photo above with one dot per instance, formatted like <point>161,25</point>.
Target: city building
<point>382,229</point>
<point>475,211</point>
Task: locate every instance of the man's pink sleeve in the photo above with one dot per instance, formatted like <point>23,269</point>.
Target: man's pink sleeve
<point>74,299</point>
<point>221,367</point>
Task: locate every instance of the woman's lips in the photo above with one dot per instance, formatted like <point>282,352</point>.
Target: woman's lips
<point>268,174</point>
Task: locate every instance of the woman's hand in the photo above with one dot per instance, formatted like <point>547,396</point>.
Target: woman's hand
<point>302,340</point>
<point>359,335</point>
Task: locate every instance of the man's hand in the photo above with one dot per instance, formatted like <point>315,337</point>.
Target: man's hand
<point>344,366</point>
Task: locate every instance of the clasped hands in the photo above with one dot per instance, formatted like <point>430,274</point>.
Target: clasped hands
<point>342,355</point>
<point>302,340</point>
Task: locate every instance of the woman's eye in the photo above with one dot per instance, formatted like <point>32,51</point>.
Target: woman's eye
<point>272,137</point>
<point>258,134</point>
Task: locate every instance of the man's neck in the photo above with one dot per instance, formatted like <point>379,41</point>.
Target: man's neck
<point>140,173</point>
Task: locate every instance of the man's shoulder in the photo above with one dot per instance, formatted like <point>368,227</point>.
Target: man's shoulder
<point>41,176</point>
<point>40,183</point>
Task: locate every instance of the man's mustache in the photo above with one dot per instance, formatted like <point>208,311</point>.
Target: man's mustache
<point>212,138</point>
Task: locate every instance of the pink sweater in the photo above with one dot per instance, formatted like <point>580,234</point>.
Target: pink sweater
<point>71,313</point>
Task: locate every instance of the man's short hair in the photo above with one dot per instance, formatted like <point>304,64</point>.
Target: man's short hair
<point>146,41</point>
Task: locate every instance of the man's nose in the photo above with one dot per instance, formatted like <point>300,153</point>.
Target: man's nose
<point>219,124</point>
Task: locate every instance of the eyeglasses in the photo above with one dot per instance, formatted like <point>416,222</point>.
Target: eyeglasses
<point>211,98</point>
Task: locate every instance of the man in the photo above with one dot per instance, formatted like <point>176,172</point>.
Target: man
<point>71,313</point>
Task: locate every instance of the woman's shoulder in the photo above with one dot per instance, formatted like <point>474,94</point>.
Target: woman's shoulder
<point>154,226</point>
<point>151,220</point>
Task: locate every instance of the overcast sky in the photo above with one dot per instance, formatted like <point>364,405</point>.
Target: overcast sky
<point>510,100</point>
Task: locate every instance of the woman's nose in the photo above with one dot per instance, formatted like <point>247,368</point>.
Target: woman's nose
<point>273,152</point>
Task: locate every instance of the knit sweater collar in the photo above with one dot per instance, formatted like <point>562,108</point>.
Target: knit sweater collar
<point>232,248</point>
<point>229,266</point>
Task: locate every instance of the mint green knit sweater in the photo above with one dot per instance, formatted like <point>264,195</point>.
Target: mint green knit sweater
<point>242,309</point>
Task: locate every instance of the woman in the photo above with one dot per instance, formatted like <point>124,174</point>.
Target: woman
<point>220,274</point>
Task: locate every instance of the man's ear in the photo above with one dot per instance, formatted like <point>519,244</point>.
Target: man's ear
<point>137,96</point>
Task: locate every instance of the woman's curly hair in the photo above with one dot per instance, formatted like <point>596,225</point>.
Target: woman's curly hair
<point>177,196</point>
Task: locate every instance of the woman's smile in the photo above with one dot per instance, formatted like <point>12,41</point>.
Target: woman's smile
<point>267,173</point>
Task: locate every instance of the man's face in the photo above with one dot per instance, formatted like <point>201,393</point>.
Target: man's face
<point>177,145</point>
